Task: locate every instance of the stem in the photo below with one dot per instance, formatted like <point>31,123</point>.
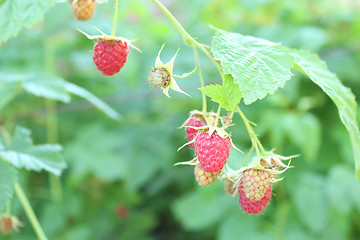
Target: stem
<point>51,120</point>
<point>115,18</point>
<point>188,39</point>
<point>29,212</point>
<point>201,80</point>
<point>217,115</point>
<point>254,139</point>
<point>8,207</point>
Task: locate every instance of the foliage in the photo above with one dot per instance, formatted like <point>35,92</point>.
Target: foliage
<point>120,182</point>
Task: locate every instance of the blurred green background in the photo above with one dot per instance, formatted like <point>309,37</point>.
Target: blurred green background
<point>120,182</point>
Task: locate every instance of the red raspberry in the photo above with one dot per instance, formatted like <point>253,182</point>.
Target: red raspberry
<point>110,56</point>
<point>254,207</point>
<point>212,151</point>
<point>83,9</point>
<point>191,132</point>
<point>255,183</point>
<point>202,177</point>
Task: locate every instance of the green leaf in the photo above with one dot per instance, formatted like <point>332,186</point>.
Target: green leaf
<point>21,153</point>
<point>228,95</point>
<point>18,14</point>
<point>100,104</point>
<point>8,178</point>
<point>51,87</point>
<point>311,65</point>
<point>310,202</point>
<point>195,210</point>
<point>260,67</point>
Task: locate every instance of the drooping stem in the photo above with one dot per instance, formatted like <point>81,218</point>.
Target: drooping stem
<point>201,80</point>
<point>115,18</point>
<point>30,212</point>
<point>254,139</point>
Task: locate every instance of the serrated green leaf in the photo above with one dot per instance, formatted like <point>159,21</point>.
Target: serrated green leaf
<point>228,95</point>
<point>232,93</point>
<point>8,178</point>
<point>260,67</point>
<point>21,153</point>
<point>313,67</point>
<point>215,92</point>
<point>18,14</point>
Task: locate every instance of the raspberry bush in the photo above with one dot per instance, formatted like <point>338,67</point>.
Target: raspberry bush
<point>119,173</point>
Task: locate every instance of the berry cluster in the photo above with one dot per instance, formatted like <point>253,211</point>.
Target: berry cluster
<point>212,148</point>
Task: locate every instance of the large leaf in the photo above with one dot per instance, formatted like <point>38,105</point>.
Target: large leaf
<point>228,95</point>
<point>21,153</point>
<point>311,65</point>
<point>51,87</point>
<point>8,177</point>
<point>259,67</point>
<point>18,14</point>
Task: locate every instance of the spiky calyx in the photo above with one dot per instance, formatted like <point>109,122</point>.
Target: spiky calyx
<point>194,121</point>
<point>110,55</point>
<point>83,10</point>
<point>255,183</point>
<point>204,178</point>
<point>254,207</point>
<point>212,151</point>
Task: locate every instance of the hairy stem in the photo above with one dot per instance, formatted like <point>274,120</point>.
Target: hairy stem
<point>30,212</point>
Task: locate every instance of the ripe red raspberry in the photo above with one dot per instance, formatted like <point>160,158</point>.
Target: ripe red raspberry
<point>110,55</point>
<point>83,9</point>
<point>202,177</point>
<point>255,183</point>
<point>191,132</point>
<point>212,151</point>
<point>254,207</point>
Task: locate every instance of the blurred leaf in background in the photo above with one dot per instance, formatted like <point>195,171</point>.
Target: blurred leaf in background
<point>120,182</point>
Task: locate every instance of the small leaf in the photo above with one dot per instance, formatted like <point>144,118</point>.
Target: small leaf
<point>21,153</point>
<point>215,92</point>
<point>18,14</point>
<point>311,65</point>
<point>228,95</point>
<point>8,178</point>
<point>232,93</point>
<point>260,67</point>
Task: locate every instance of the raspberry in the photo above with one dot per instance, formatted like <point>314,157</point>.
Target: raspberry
<point>110,56</point>
<point>83,9</point>
<point>255,183</point>
<point>191,132</point>
<point>254,207</point>
<point>202,177</point>
<point>212,151</point>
